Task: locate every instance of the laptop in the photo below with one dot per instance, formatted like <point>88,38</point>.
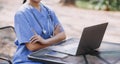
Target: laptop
<point>90,40</point>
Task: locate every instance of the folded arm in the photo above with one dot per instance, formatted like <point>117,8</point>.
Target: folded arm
<point>37,42</point>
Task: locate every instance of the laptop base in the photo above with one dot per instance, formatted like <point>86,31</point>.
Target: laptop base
<point>91,52</point>
<point>40,56</point>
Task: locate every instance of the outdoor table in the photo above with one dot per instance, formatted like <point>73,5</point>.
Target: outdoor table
<point>108,53</point>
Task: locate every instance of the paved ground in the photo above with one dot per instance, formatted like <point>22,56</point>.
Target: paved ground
<point>72,18</point>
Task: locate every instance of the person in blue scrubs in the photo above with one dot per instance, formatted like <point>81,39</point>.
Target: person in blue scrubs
<point>36,27</point>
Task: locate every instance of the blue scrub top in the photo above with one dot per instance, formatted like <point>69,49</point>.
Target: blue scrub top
<point>25,22</point>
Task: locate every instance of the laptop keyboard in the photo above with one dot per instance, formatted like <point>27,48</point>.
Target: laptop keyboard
<point>70,46</point>
<point>70,41</point>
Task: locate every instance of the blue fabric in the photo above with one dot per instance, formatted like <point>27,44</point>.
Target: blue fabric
<point>25,22</point>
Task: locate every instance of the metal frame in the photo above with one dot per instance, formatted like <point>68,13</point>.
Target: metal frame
<point>9,61</point>
<point>6,27</point>
<point>1,28</point>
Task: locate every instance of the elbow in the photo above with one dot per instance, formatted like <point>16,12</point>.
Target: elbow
<point>63,36</point>
<point>30,47</point>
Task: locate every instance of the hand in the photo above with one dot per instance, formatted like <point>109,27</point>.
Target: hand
<point>57,29</point>
<point>37,39</point>
<point>35,46</point>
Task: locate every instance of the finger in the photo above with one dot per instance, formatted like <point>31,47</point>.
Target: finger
<point>57,29</point>
<point>34,32</point>
<point>35,41</point>
<point>36,37</point>
<point>33,37</point>
<point>31,41</point>
<point>56,26</point>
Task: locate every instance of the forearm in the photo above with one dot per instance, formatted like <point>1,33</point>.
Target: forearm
<point>37,42</point>
<point>35,46</point>
<point>55,39</point>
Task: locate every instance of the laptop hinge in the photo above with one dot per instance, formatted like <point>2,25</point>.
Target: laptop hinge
<point>88,52</point>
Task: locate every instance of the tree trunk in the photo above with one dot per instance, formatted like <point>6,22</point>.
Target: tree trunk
<point>67,2</point>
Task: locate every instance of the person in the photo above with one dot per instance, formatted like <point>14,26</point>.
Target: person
<point>36,27</point>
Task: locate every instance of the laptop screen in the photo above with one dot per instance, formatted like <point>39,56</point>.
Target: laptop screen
<point>92,36</point>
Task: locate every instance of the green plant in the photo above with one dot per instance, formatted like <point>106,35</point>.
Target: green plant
<point>99,4</point>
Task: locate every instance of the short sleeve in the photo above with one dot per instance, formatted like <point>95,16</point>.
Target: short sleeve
<point>56,21</point>
<point>22,28</point>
